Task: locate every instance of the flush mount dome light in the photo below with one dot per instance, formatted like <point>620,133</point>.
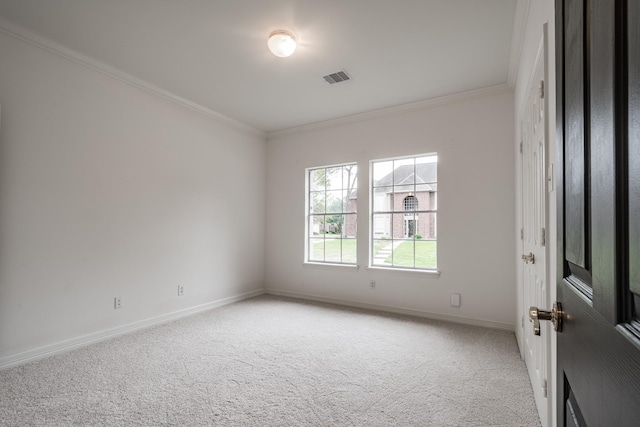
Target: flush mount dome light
<point>282,43</point>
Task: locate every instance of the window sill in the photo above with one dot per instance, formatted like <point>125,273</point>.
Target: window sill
<point>327,265</point>
<point>433,273</point>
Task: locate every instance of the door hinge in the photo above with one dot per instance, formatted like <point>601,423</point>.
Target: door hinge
<point>544,388</point>
<point>541,87</point>
<point>522,234</point>
<point>520,147</point>
<point>543,237</point>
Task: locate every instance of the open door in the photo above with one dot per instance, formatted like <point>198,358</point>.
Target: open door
<point>598,190</point>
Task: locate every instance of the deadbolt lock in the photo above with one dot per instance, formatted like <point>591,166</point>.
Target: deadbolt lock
<point>555,316</point>
<point>531,258</point>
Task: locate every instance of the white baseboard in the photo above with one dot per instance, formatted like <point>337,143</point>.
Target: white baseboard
<point>397,310</point>
<point>71,344</point>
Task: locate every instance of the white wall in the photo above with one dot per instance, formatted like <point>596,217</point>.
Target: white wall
<point>106,190</point>
<point>476,198</point>
<point>540,12</point>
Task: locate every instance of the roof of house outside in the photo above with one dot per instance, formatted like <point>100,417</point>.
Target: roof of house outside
<point>425,173</point>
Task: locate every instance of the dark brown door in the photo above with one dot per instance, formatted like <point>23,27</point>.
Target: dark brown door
<point>598,283</point>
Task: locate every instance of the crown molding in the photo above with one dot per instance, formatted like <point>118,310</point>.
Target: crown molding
<point>399,109</point>
<point>517,39</point>
<point>57,49</point>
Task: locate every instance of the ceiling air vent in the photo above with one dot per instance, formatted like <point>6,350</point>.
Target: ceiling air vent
<point>340,76</point>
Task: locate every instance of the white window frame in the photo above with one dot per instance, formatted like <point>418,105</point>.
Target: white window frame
<point>379,228</point>
<point>308,259</point>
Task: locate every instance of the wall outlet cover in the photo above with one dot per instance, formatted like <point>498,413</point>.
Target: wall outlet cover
<point>455,300</point>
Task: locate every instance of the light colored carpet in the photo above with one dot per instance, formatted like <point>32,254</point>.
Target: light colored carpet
<point>278,362</point>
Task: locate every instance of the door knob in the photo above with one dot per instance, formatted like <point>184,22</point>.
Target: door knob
<point>531,258</point>
<point>555,316</point>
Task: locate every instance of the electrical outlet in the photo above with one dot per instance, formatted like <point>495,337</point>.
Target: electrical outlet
<point>455,300</point>
<point>117,302</point>
<point>372,284</point>
<point>180,290</point>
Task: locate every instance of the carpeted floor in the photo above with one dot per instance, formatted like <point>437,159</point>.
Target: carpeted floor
<point>277,362</point>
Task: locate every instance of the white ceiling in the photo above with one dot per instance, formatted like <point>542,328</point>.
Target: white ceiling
<point>214,53</point>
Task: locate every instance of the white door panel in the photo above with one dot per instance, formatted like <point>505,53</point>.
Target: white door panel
<point>534,224</point>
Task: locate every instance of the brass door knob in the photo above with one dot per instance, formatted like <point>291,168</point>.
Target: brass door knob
<point>555,316</point>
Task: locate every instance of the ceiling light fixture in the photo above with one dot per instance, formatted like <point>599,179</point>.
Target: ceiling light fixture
<point>282,43</point>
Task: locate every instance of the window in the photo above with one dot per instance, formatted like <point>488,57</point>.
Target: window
<point>331,214</point>
<point>404,212</point>
<point>410,203</point>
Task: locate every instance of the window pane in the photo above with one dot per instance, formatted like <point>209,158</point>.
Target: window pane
<point>426,170</point>
<point>425,188</point>
<point>381,226</point>
<point>316,179</point>
<point>426,196</point>
<point>431,186</point>
<point>430,159</point>
<point>334,178</point>
<point>382,199</point>
<point>316,201</point>
<point>333,249</point>
<point>349,177</point>
<point>398,226</point>
<point>349,251</point>
<point>316,225</point>
<point>333,225</point>
<point>349,226</point>
<point>383,173</point>
<point>382,250</point>
<point>426,254</point>
<point>403,172</point>
<point>428,227</point>
<point>410,226</point>
<point>316,250</point>
<point>350,201</point>
<point>334,201</point>
<point>403,255</point>
<point>404,190</point>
